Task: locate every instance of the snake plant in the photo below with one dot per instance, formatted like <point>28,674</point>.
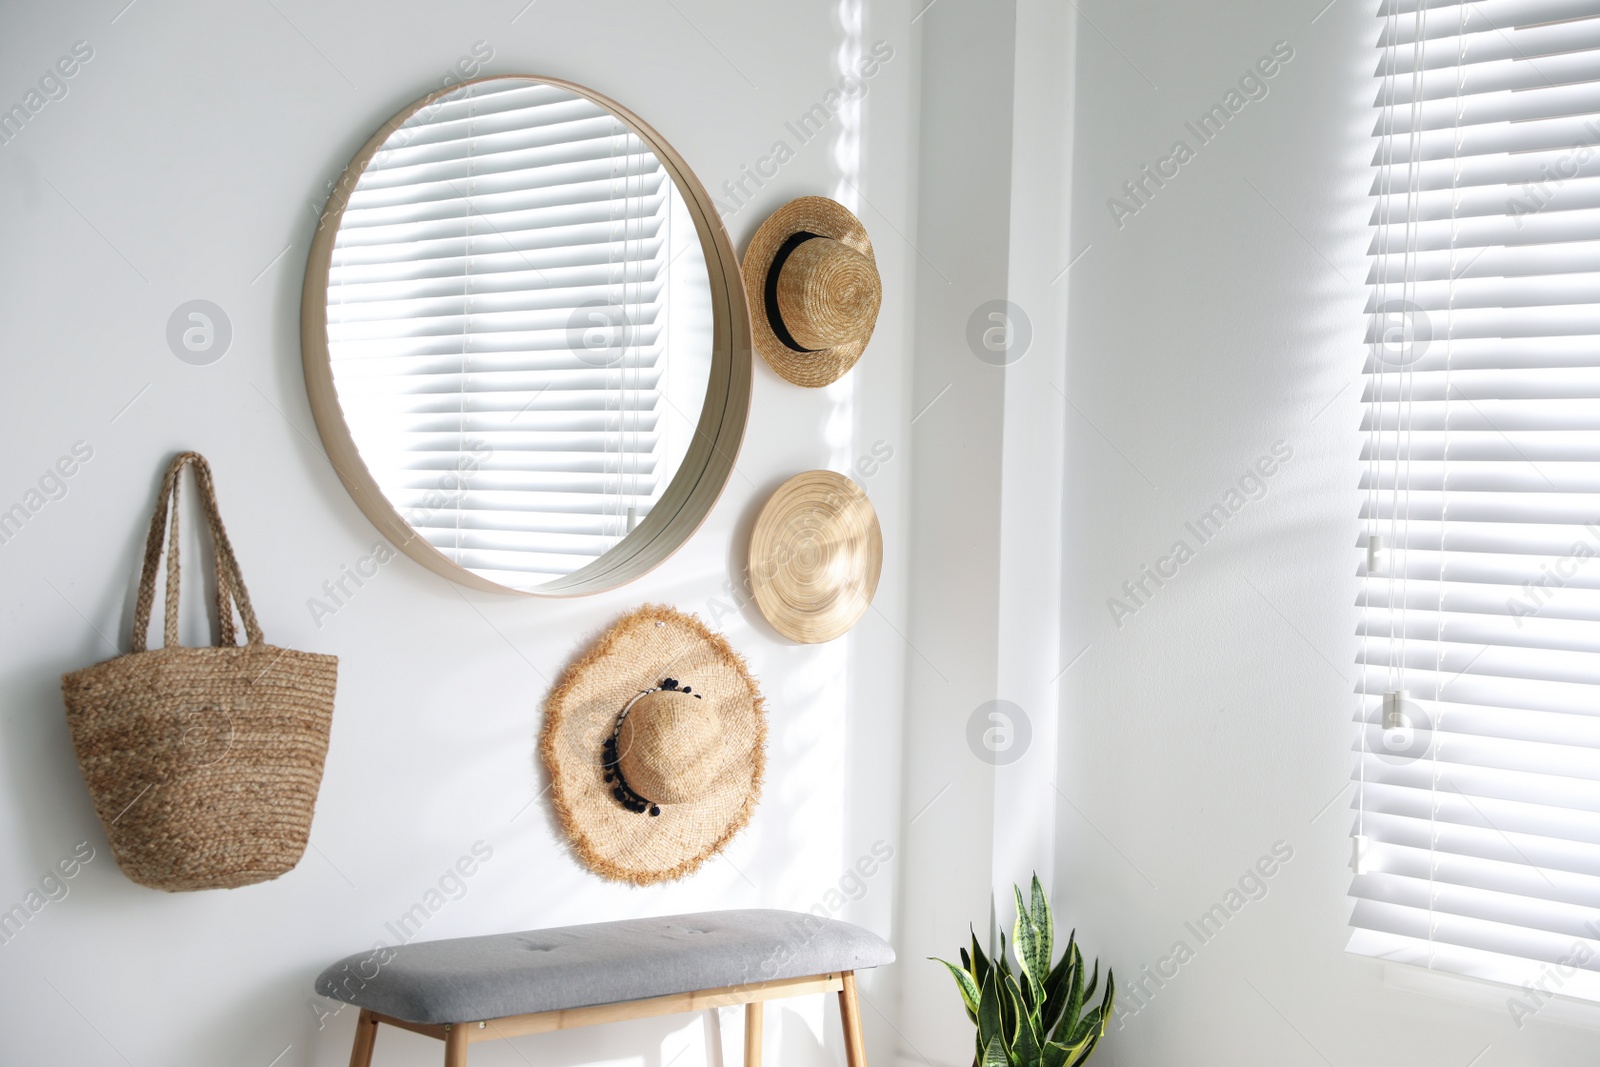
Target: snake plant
<point>1034,1018</point>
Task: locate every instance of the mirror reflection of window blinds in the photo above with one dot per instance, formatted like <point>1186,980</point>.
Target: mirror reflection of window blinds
<point>1478,808</point>
<point>497,318</point>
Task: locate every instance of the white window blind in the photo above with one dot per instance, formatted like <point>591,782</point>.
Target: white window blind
<point>498,318</point>
<point>1478,799</point>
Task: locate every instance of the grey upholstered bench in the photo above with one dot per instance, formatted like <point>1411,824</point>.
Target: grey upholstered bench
<point>472,989</point>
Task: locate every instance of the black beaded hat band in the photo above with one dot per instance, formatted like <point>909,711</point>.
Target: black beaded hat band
<point>611,760</point>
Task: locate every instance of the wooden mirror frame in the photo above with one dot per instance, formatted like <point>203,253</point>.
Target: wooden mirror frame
<point>706,465</point>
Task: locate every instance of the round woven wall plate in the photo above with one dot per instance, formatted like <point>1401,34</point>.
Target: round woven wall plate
<point>815,556</point>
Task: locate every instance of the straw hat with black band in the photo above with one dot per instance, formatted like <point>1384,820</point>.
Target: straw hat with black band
<point>814,290</point>
<point>655,744</point>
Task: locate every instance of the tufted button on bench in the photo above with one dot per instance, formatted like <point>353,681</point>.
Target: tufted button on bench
<point>470,989</point>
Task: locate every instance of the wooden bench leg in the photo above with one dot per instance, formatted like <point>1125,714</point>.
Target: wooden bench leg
<point>752,1034</point>
<point>855,1053</point>
<point>455,1047</point>
<point>366,1036</point>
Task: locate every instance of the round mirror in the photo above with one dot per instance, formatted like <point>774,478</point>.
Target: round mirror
<point>525,337</point>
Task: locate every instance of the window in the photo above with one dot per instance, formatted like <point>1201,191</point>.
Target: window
<point>1478,783</point>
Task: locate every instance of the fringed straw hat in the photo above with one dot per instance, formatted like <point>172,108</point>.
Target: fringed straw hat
<point>655,744</point>
<point>815,556</point>
<point>814,290</point>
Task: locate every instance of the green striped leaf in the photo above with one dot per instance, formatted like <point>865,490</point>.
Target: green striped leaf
<point>1010,1008</point>
<point>1033,947</point>
<point>969,989</point>
<point>1025,1045</point>
<point>1054,1054</point>
<point>1057,987</point>
<point>990,1027</point>
<point>980,961</point>
<point>1045,924</point>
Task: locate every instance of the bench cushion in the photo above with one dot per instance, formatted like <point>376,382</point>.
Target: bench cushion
<point>467,979</point>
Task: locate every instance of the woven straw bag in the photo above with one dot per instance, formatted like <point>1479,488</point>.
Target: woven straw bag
<point>203,763</point>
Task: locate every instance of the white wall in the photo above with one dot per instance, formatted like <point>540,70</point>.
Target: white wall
<point>958,407</point>
<point>1225,316</point>
<point>189,153</point>
<point>986,580</point>
<point>1216,321</point>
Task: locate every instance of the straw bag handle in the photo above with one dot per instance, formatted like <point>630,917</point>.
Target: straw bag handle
<point>230,583</point>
